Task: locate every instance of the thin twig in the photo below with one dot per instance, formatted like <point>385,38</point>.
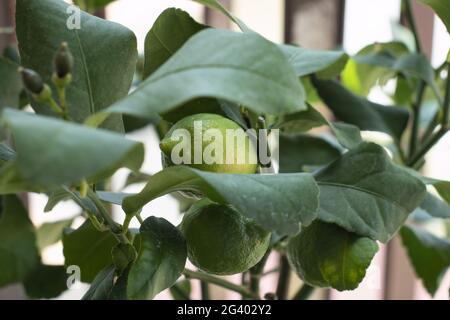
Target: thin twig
<point>283,278</point>
<point>115,229</point>
<point>219,282</point>
<point>256,271</point>
<point>412,24</point>
<point>418,156</point>
<point>204,290</point>
<point>416,118</point>
<point>304,292</point>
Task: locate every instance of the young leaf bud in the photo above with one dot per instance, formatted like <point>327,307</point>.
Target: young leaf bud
<point>32,81</point>
<point>63,62</point>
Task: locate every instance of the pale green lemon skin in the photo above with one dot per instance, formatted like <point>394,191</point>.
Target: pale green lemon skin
<point>220,240</point>
<point>211,121</point>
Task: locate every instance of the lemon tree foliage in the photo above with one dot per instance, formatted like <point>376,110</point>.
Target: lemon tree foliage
<point>276,202</point>
<point>326,255</point>
<point>105,55</point>
<point>161,259</point>
<point>430,255</point>
<point>335,191</point>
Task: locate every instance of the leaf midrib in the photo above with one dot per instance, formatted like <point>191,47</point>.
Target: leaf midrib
<point>86,73</point>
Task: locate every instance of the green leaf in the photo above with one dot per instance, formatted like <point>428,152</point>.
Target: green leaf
<point>326,255</point>
<point>105,56</point>
<point>347,135</point>
<point>366,193</point>
<point>46,282</point>
<point>277,202</point>
<point>161,259</point>
<point>214,4</point>
<point>65,193</point>
<point>10,84</point>
<point>327,64</point>
<point>368,68</point>
<point>138,177</point>
<point>92,5</point>
<point>434,207</point>
<point>181,290</point>
<point>360,112</point>
<point>50,233</point>
<point>429,255</point>
<point>56,197</point>
<point>442,9</point>
<point>18,253</point>
<point>102,285</point>
<point>441,186</point>
<point>417,66</point>
<point>220,64</point>
<point>162,42</point>
<point>112,197</point>
<point>300,150</point>
<point>122,255</point>
<point>412,65</point>
<point>89,249</point>
<point>67,152</point>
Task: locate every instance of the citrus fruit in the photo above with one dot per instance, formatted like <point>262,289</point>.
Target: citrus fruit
<point>220,240</point>
<point>216,146</point>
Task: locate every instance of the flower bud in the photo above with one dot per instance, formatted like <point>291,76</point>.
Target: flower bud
<point>32,81</point>
<point>45,95</point>
<point>63,62</point>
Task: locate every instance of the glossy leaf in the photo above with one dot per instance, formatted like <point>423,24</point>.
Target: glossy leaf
<point>89,249</point>
<point>10,84</point>
<point>102,285</point>
<point>161,259</point>
<point>18,253</point>
<point>360,112</point>
<point>247,69</point>
<point>276,202</point>
<point>51,232</point>
<point>46,282</point>
<point>87,153</point>
<point>326,255</point>
<point>366,193</point>
<point>105,55</point>
<point>347,135</point>
<point>168,34</point>
<point>298,151</point>
<point>305,62</point>
<point>429,255</point>
<point>442,9</point>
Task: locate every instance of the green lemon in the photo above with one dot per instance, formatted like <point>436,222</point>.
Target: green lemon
<point>209,142</point>
<point>220,240</point>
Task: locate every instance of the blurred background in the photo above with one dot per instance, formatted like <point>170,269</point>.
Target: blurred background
<point>315,24</point>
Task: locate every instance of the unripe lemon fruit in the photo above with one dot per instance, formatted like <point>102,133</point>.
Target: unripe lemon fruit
<point>240,152</point>
<point>220,240</point>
